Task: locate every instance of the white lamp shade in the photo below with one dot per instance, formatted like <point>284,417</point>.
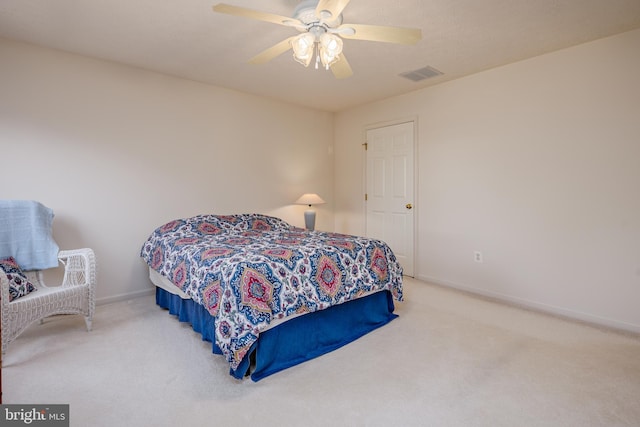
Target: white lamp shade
<point>303,47</point>
<point>310,199</point>
<point>330,49</point>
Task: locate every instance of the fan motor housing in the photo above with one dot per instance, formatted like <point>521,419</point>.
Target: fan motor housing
<point>306,13</point>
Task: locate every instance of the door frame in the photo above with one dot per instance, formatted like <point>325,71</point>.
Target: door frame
<point>416,204</point>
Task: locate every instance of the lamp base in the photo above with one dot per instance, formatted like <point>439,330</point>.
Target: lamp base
<point>310,220</point>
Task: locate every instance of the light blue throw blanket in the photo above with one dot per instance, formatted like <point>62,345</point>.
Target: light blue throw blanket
<point>25,234</point>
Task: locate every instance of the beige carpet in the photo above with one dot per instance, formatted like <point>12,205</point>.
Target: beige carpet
<point>449,360</point>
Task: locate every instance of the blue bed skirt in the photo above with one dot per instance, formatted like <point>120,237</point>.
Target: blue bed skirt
<point>295,341</point>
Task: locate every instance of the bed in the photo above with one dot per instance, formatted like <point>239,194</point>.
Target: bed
<point>269,295</point>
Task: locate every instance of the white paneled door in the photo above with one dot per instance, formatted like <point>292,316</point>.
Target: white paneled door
<point>390,189</point>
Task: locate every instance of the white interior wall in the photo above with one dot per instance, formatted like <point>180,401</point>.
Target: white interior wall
<point>116,151</point>
<point>537,165</point>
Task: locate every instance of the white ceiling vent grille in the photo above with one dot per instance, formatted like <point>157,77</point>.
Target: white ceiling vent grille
<point>421,74</point>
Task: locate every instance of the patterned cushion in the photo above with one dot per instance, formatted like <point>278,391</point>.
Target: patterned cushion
<point>19,286</point>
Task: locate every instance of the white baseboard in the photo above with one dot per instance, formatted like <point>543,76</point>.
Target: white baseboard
<point>125,297</point>
<point>534,305</point>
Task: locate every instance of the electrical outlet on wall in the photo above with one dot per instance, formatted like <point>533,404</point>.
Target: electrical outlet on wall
<point>477,256</point>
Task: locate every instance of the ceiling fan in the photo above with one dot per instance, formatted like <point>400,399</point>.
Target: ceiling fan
<point>322,30</point>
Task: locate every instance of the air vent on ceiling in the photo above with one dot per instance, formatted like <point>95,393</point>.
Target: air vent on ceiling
<point>421,74</point>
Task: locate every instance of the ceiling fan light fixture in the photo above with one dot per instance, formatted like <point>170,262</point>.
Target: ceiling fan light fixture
<point>303,47</point>
<point>330,49</point>
<point>321,25</point>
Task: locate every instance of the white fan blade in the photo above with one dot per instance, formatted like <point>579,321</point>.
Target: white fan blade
<point>341,68</point>
<point>255,14</point>
<point>379,34</point>
<point>275,50</point>
<point>334,7</point>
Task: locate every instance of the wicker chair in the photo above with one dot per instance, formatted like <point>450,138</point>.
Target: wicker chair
<point>76,295</point>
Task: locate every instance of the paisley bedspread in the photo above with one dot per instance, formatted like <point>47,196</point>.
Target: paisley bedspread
<point>250,270</point>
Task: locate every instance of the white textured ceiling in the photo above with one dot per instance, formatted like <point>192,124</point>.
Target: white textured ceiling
<point>186,38</point>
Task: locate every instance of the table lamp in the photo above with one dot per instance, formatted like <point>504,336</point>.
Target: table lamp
<point>310,214</point>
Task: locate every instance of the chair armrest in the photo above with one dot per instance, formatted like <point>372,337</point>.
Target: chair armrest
<point>79,267</point>
<point>4,288</point>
